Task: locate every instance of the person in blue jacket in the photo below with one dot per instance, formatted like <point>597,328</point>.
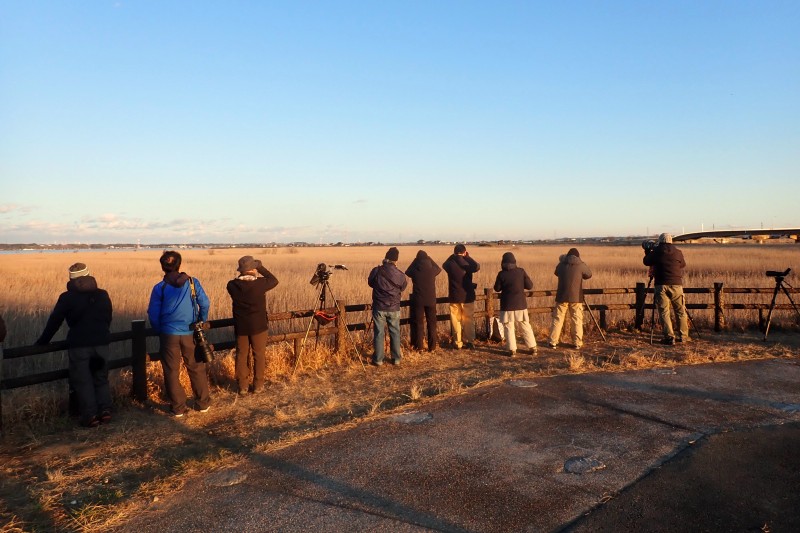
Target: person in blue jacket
<point>176,303</point>
<point>387,282</point>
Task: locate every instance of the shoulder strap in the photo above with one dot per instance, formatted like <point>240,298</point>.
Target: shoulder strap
<point>194,299</point>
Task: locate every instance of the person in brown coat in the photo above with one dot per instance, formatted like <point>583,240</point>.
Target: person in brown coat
<point>248,295</point>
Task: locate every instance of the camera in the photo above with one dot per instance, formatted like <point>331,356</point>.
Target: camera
<point>778,275</point>
<point>323,273</point>
<point>203,350</point>
<point>649,245</point>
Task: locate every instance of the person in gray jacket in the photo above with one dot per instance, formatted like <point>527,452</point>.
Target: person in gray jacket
<point>571,272</point>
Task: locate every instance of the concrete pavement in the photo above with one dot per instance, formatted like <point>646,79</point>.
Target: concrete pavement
<point>493,459</point>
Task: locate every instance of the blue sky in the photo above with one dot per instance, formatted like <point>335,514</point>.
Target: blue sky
<point>335,121</point>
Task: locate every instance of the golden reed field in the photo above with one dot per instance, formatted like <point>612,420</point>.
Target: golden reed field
<point>30,283</point>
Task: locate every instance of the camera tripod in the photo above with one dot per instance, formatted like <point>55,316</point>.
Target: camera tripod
<point>319,316</point>
<point>653,315</point>
<point>779,285</point>
<point>596,323</point>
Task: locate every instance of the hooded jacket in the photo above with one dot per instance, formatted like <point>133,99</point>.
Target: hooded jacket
<point>571,272</point>
<point>460,268</point>
<point>248,294</point>
<point>387,282</point>
<point>668,264</point>
<point>511,283</point>
<point>423,272</point>
<point>171,311</point>
<point>87,311</point>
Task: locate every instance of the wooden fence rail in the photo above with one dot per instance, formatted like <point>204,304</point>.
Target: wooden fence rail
<point>139,333</point>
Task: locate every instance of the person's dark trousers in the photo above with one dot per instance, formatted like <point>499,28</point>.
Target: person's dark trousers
<point>88,376</point>
<point>421,316</point>
<point>175,348</point>
<point>244,343</point>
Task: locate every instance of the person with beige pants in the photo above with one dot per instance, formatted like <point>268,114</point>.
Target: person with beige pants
<point>571,272</point>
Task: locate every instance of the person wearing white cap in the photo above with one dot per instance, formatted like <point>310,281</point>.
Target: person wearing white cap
<point>668,264</point>
<point>87,310</point>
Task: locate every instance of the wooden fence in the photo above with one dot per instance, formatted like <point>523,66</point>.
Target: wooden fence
<point>339,328</point>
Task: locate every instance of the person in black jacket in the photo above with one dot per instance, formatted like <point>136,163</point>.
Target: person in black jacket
<point>388,283</point>
<point>248,293</point>
<point>511,283</point>
<point>87,310</point>
<point>667,265</point>
<point>423,272</point>
<point>461,293</point>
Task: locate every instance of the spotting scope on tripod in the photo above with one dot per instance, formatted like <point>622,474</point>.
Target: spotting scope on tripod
<point>321,280</point>
<point>780,285</point>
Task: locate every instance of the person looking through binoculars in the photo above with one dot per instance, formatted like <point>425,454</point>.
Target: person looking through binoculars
<point>248,293</point>
<point>667,265</point>
<point>387,282</point>
<point>571,272</point>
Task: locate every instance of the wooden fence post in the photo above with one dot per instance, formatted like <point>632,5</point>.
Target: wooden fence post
<point>603,320</point>
<point>641,296</point>
<point>341,324</point>
<point>719,303</point>
<point>139,361</point>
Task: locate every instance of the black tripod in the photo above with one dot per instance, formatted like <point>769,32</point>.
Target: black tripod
<point>779,285</point>
<point>319,317</point>
<point>596,323</point>
<point>685,310</point>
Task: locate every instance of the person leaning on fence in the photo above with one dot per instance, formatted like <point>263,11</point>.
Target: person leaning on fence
<point>388,283</point>
<point>248,293</point>
<point>422,310</point>
<point>87,310</point>
<point>2,336</point>
<point>667,265</point>
<point>571,272</point>
<point>461,293</point>
<point>512,282</point>
<point>176,303</point>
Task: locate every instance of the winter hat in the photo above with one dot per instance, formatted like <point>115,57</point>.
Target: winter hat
<point>78,270</point>
<point>574,251</point>
<point>665,238</point>
<point>508,259</point>
<point>460,249</point>
<point>393,254</point>
<point>246,263</point>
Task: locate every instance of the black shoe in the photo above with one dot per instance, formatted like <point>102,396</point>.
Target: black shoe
<point>376,363</point>
<point>668,341</point>
<point>469,345</point>
<point>511,353</point>
<point>395,362</point>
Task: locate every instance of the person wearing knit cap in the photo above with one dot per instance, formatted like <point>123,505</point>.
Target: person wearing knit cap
<point>87,311</point>
<point>667,265</point>
<point>571,272</point>
<point>422,309</point>
<point>176,304</point>
<point>512,282</point>
<point>461,294</point>
<point>248,293</point>
<point>388,283</point>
